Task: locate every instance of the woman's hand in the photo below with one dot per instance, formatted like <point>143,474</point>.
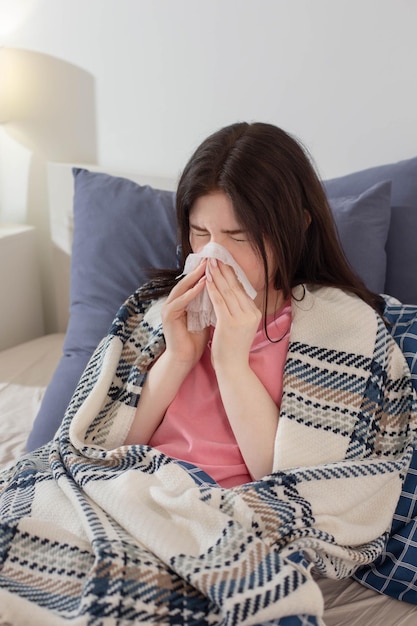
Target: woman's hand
<point>183,346</point>
<point>183,350</point>
<point>237,316</point>
<point>252,413</point>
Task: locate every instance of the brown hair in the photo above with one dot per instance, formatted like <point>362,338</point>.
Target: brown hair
<point>273,186</point>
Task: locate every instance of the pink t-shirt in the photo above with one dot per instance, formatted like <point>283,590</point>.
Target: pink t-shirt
<point>195,427</point>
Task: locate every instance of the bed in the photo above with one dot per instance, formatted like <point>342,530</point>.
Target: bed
<point>97,218</point>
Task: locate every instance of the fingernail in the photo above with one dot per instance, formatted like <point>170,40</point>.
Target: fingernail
<point>213,262</point>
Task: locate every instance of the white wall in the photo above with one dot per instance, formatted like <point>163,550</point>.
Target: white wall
<point>340,74</point>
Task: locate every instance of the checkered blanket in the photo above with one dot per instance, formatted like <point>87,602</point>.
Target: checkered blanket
<point>394,572</point>
<point>93,532</point>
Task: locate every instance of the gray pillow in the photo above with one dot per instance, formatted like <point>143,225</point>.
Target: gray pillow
<point>401,275</point>
<point>121,229</point>
<point>363,222</point>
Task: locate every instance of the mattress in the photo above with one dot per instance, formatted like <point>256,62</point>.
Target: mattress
<point>349,603</point>
<point>25,372</point>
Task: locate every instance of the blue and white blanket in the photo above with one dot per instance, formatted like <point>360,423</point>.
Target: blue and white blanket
<point>394,572</point>
<point>93,532</point>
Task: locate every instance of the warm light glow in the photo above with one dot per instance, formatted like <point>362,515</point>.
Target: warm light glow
<point>10,87</point>
<point>47,104</point>
<point>4,104</point>
<point>18,85</point>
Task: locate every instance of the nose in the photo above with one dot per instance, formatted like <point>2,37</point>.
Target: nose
<point>204,241</point>
<point>212,239</point>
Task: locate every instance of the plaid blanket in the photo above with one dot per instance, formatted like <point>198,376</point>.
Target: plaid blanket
<point>394,572</point>
<point>97,533</point>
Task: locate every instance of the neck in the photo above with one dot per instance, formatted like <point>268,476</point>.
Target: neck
<point>274,302</point>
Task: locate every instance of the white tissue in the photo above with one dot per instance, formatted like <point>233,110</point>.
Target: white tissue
<point>200,312</point>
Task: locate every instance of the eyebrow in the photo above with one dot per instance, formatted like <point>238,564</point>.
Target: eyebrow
<point>227,231</point>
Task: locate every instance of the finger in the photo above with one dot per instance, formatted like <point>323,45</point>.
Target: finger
<point>188,281</point>
<point>180,302</point>
<point>229,287</point>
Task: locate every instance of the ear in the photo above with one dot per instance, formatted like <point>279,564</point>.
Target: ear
<point>307,218</point>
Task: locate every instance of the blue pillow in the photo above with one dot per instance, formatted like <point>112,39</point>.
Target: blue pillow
<point>394,573</point>
<point>401,248</point>
<point>121,229</point>
<point>363,222</point>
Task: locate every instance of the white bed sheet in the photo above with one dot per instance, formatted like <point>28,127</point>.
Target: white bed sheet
<point>25,372</point>
<point>348,603</point>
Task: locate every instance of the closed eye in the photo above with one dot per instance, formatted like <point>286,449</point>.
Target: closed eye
<point>199,232</point>
<point>237,235</point>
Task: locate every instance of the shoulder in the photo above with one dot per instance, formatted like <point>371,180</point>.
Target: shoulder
<point>138,316</point>
<point>334,319</point>
<point>306,297</point>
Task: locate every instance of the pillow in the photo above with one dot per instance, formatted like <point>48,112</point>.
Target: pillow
<point>394,573</point>
<point>401,280</point>
<point>121,229</point>
<point>362,222</point>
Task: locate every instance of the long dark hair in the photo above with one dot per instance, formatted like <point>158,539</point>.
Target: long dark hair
<point>274,189</point>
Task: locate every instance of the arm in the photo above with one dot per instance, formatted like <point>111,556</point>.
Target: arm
<point>161,385</point>
<point>183,351</point>
<point>252,413</point>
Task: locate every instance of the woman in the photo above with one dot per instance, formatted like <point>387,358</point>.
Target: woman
<point>251,189</point>
<point>257,424</point>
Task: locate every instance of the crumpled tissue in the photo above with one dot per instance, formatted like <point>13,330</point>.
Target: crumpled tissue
<point>200,312</point>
